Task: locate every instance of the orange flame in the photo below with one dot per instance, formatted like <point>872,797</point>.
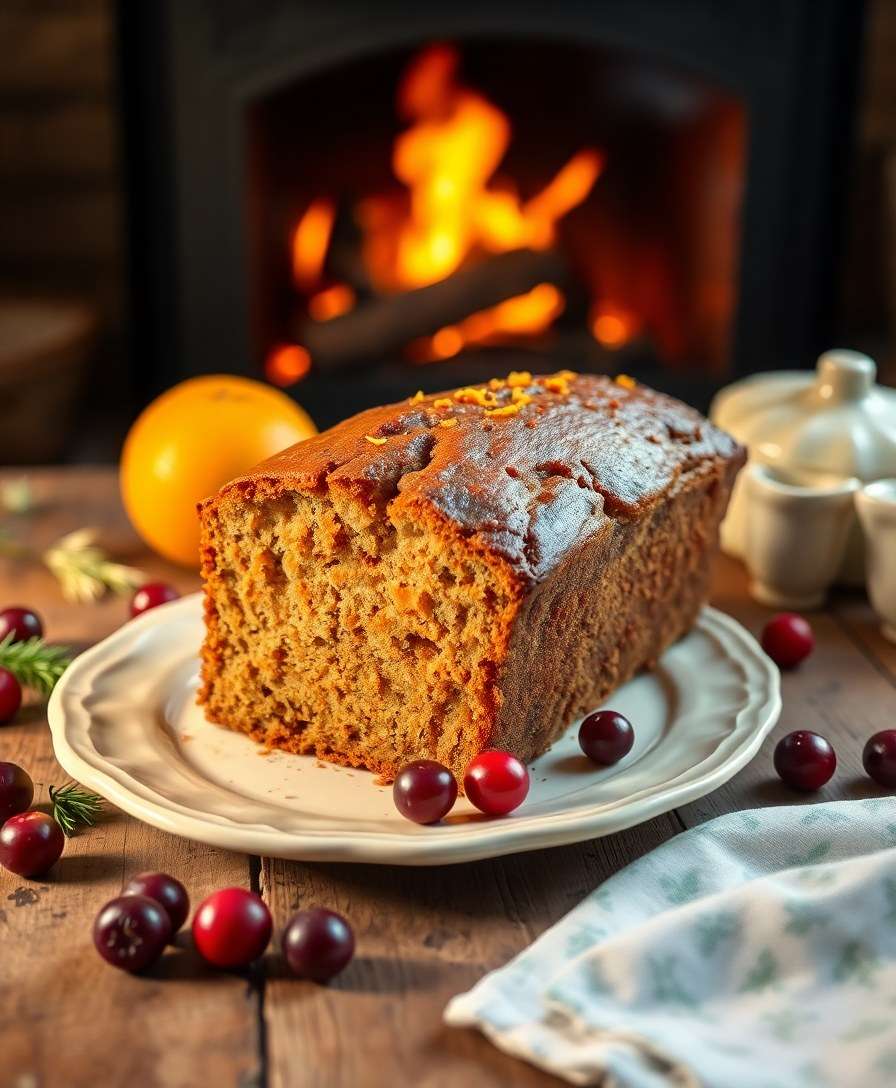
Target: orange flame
<point>310,242</point>
<point>528,314</point>
<point>446,159</point>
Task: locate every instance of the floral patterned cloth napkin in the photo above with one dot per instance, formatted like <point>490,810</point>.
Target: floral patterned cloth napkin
<point>755,951</point>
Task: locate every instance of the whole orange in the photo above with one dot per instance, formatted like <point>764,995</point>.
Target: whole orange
<point>189,442</point>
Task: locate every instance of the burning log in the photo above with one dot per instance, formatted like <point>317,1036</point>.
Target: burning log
<point>385,324</point>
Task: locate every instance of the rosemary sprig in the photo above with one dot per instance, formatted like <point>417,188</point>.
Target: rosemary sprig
<point>74,807</point>
<point>33,663</point>
<point>84,570</point>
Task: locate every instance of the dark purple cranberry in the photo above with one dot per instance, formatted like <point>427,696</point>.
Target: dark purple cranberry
<point>131,932</point>
<point>21,623</point>
<point>16,791</point>
<point>10,696</point>
<point>169,893</point>
<point>805,760</point>
<point>879,758</point>
<point>787,639</point>
<point>30,843</point>
<point>424,791</point>
<point>151,596</point>
<point>606,737</point>
<point>318,944</point>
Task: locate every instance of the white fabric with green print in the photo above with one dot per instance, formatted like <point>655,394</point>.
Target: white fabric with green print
<point>755,951</point>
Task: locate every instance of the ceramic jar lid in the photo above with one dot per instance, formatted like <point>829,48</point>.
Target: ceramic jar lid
<point>834,421</point>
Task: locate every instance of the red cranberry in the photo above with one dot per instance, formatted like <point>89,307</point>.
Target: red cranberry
<point>21,623</point>
<point>424,791</point>
<point>606,737</point>
<point>131,932</point>
<point>805,760</point>
<point>16,791</point>
<point>151,596</point>
<point>10,696</point>
<point>787,639</point>
<point>231,928</point>
<point>30,843</point>
<point>318,944</point>
<point>496,782</point>
<point>169,893</point>
<point>879,758</point>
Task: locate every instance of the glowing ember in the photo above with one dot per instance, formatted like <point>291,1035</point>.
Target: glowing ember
<point>287,364</point>
<point>523,315</point>
<point>613,327</point>
<point>331,302</point>
<point>446,342</point>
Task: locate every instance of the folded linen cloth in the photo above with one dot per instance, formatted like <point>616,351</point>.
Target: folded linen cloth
<point>755,951</point>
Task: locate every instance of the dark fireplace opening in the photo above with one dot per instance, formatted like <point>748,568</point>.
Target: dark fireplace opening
<point>354,207</point>
<point>440,206</point>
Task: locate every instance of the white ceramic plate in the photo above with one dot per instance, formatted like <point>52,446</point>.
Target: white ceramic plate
<point>125,723</point>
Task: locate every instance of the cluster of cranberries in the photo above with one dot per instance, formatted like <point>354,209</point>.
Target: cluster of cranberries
<point>806,760</point>
<point>803,759</point>
<point>24,623</point>
<point>231,928</point>
<point>30,841</point>
<point>21,624</point>
<point>497,782</point>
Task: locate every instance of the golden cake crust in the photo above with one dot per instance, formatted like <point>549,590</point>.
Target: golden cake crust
<point>528,467</point>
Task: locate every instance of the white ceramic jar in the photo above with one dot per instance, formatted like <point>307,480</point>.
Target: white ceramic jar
<point>876,504</point>
<point>835,423</point>
<point>796,534</point>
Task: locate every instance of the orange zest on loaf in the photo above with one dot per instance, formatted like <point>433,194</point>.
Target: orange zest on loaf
<point>472,394</point>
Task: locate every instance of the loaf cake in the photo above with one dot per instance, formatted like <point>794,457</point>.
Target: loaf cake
<point>461,571</point>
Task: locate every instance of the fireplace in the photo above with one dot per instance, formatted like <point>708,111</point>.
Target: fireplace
<point>355,206</point>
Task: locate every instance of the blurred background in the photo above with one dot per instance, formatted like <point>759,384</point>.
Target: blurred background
<point>352,206</point>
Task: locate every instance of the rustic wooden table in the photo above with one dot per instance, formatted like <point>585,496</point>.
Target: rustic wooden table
<point>423,934</point>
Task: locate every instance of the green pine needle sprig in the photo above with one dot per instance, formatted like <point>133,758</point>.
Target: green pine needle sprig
<point>33,663</point>
<point>74,807</point>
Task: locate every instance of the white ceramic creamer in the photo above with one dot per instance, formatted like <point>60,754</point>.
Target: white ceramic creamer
<point>834,423</point>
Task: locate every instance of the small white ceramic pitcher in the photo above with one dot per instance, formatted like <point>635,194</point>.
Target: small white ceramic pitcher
<point>796,528</point>
<point>876,506</point>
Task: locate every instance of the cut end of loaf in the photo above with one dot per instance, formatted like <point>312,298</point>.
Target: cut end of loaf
<point>337,631</point>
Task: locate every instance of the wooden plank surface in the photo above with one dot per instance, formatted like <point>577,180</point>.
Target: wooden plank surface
<point>65,1017</point>
<point>846,691</point>
<point>423,934</point>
